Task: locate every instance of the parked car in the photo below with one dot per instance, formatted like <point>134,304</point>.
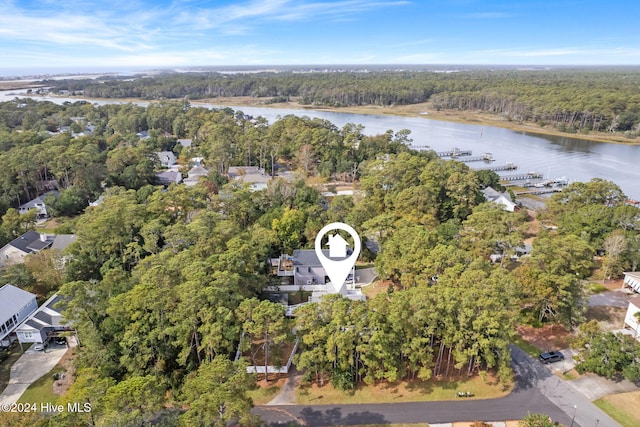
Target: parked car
<point>550,357</point>
<point>40,346</point>
<point>61,340</point>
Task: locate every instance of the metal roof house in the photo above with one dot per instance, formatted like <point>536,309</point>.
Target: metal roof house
<point>44,322</point>
<point>15,306</point>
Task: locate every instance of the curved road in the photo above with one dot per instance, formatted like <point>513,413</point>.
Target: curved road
<point>536,390</point>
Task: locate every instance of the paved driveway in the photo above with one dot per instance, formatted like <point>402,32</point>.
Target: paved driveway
<point>28,368</point>
<point>365,276</point>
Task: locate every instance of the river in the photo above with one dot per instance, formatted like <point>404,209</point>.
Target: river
<point>553,156</point>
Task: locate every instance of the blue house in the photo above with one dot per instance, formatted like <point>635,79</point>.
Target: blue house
<point>15,306</point>
<point>44,323</point>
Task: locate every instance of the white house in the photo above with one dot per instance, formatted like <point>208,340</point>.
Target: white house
<point>632,280</point>
<point>43,323</point>
<point>631,322</point>
<point>30,242</point>
<point>503,199</point>
<point>37,204</point>
<point>15,306</point>
<point>167,158</point>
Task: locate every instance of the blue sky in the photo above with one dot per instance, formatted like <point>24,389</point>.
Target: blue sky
<point>125,34</point>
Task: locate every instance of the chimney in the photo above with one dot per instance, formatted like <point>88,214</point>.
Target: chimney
<point>43,237</point>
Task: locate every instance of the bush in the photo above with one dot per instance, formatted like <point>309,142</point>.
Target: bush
<point>342,381</point>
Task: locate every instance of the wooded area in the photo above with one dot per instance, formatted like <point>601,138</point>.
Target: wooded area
<point>570,100</point>
<point>163,282</point>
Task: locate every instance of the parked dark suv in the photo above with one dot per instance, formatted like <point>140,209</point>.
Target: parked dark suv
<point>550,357</point>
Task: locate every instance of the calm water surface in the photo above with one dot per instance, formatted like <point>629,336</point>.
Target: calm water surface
<point>554,156</point>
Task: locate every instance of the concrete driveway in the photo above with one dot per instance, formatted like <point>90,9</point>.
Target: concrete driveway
<point>28,368</point>
<point>591,386</point>
<point>365,276</point>
<point>594,387</point>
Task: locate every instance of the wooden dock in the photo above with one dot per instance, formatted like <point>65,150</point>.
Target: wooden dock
<point>538,191</point>
<point>521,177</point>
<point>485,157</point>
<point>506,167</point>
<point>454,152</point>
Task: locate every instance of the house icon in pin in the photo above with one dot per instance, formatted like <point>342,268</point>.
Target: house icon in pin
<point>337,246</point>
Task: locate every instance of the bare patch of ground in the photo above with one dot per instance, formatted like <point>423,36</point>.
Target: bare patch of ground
<point>61,386</point>
<point>547,338</point>
<point>377,287</point>
<point>610,318</point>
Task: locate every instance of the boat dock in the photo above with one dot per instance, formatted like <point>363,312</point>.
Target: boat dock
<point>521,177</point>
<point>485,157</point>
<point>538,191</point>
<point>506,167</point>
<point>454,152</point>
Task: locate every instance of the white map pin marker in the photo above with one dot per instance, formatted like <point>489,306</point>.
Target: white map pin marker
<point>337,269</point>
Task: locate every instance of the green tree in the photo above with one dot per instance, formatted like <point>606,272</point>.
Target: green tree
<point>265,321</point>
<point>216,393</point>
<point>134,401</point>
<point>536,420</point>
<point>290,229</point>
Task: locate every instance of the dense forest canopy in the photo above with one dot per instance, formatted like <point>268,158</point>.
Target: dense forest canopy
<point>571,100</point>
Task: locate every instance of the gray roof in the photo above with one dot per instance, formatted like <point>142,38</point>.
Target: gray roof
<point>235,171</point>
<point>308,257</point>
<point>57,303</point>
<point>13,299</point>
<point>168,176</point>
<point>61,241</point>
<point>48,314</point>
<point>38,245</point>
<point>198,171</point>
<point>44,317</point>
<point>35,325</point>
<point>38,200</point>
<point>25,241</point>
<point>185,142</point>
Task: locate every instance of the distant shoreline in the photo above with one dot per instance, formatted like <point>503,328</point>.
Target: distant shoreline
<point>423,110</point>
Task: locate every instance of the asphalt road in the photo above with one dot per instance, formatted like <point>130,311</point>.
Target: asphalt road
<point>535,386</point>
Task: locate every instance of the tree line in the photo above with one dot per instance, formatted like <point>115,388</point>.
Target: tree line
<point>571,100</point>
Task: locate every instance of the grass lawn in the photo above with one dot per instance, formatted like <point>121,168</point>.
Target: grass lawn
<point>595,288</point>
<point>5,366</point>
<point>414,391</point>
<point>529,348</point>
<point>262,395</point>
<point>42,390</point>
<point>622,407</point>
